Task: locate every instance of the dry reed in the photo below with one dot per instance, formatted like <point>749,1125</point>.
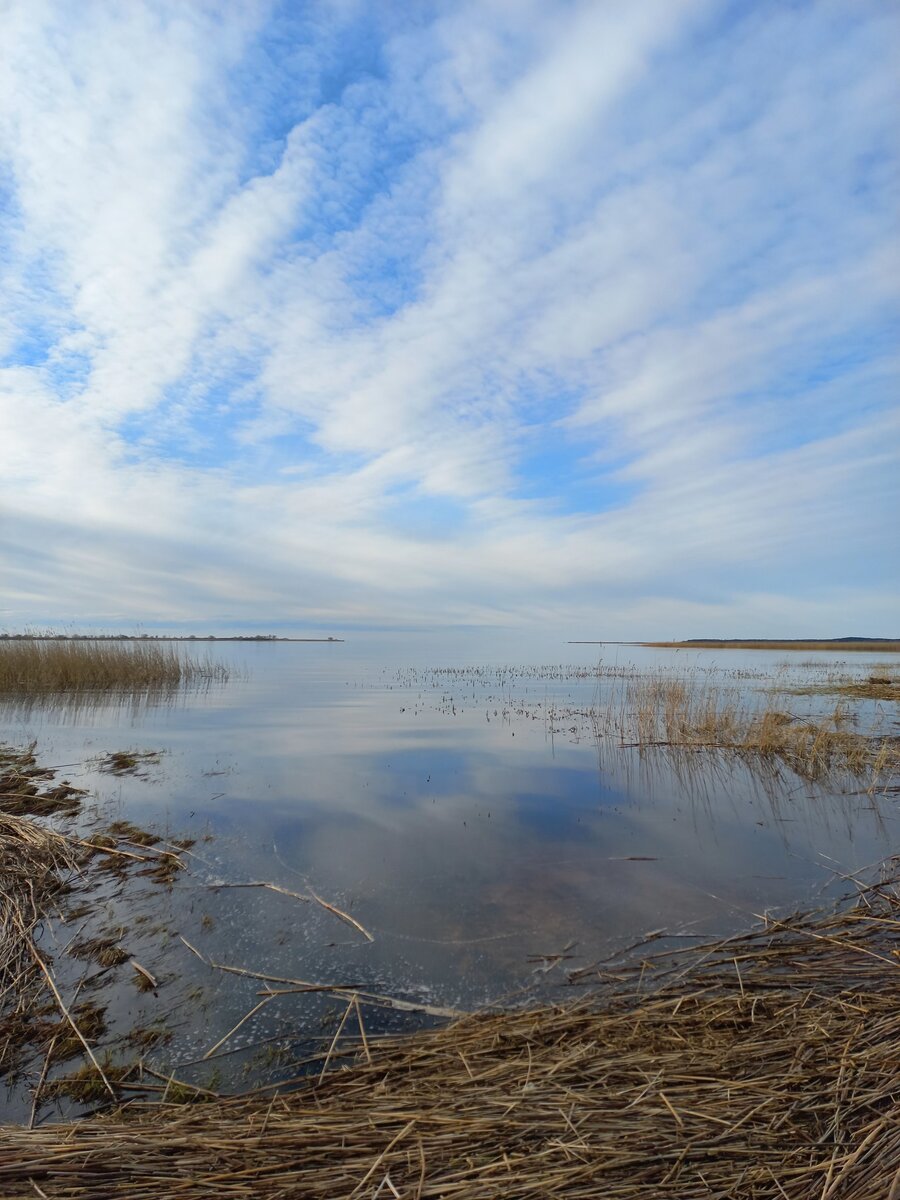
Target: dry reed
<point>41,871</point>
<point>687,715</point>
<point>765,1065</point>
<point>34,865</point>
<point>36,666</point>
<point>878,686</point>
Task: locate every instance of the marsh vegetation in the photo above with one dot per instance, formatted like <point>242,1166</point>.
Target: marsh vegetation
<point>700,716</point>
<point>40,667</point>
<point>50,877</point>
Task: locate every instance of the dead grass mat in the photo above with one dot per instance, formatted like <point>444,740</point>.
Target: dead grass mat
<point>767,1065</point>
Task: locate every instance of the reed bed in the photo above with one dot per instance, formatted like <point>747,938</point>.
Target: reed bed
<point>683,716</point>
<point>37,666</point>
<point>880,686</point>
<point>764,1065</point>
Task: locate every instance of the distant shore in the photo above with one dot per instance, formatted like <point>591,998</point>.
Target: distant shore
<point>880,645</point>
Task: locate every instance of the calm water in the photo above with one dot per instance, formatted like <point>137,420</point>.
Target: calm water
<point>461,812</point>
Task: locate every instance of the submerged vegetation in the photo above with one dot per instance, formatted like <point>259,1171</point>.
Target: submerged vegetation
<point>128,762</point>
<point>38,666</point>
<point>24,787</point>
<point>699,719</point>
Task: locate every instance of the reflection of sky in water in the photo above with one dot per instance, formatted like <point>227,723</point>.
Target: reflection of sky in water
<point>465,841</point>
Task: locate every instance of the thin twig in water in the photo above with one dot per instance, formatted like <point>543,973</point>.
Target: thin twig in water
<point>65,1012</point>
<point>222,1040</point>
<point>343,916</point>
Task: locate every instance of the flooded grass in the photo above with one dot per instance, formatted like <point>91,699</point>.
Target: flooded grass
<point>59,667</point>
<point>695,715</point>
<point>128,762</point>
<point>106,952</point>
<point>880,686</point>
<point>129,832</point>
<point>765,1064</point>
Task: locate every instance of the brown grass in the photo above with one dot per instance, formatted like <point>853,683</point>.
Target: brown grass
<point>58,667</point>
<point>106,952</point>
<point>42,873</point>
<point>886,647</point>
<point>765,1065</point>
<point>878,686</point>
<point>689,715</point>
<point>24,786</point>
<point>34,865</point>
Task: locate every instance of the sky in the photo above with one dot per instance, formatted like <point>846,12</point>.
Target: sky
<point>504,313</point>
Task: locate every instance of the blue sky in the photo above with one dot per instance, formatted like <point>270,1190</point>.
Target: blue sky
<point>330,315</point>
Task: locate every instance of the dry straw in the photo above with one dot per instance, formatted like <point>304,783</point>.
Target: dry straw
<point>40,870</point>
<point>765,1065</point>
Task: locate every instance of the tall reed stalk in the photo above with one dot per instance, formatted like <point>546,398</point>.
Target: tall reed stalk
<point>29,667</point>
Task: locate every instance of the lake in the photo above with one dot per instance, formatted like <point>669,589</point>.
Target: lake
<point>452,796</point>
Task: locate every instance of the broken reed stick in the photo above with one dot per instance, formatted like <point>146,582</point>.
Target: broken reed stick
<point>342,915</point>
<point>68,1016</point>
<point>40,1083</point>
<point>115,851</point>
<point>337,1034</point>
<point>151,979</point>
<point>345,990</point>
<point>362,1031</point>
<point>274,887</point>
<point>381,1157</point>
<point>246,1017</point>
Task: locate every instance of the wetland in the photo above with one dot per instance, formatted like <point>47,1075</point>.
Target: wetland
<point>298,851</point>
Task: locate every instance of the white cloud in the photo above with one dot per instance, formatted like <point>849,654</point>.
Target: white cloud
<point>286,370</point>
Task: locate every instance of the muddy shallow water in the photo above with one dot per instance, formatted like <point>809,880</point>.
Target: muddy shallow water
<point>450,796</point>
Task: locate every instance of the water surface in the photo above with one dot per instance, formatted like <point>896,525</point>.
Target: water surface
<point>450,796</point>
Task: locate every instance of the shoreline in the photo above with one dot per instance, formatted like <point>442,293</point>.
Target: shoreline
<point>143,637</point>
<point>769,1056</point>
